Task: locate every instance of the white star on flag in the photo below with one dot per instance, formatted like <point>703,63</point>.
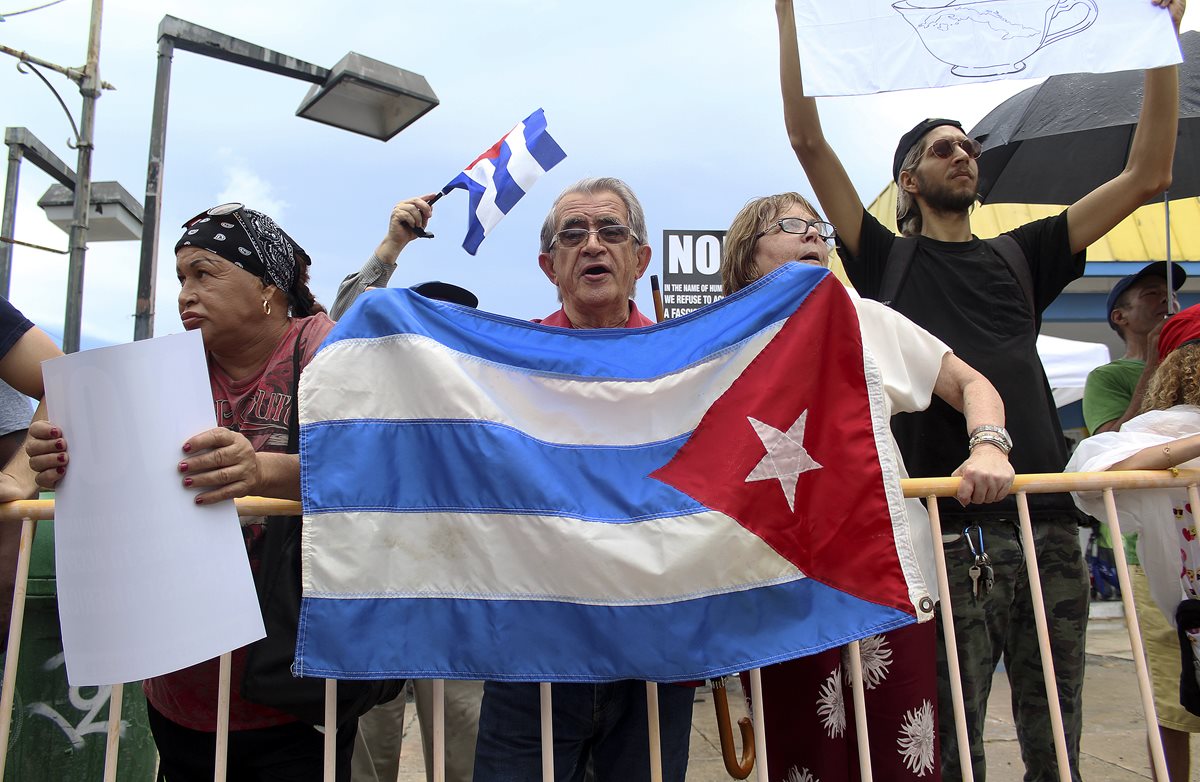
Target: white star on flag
<point>786,457</point>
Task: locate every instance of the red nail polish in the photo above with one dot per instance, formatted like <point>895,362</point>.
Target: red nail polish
<point>183,466</point>
<point>60,470</point>
<point>59,444</point>
<point>199,500</point>
<point>187,481</point>
<point>62,458</point>
<point>187,447</point>
<point>55,433</point>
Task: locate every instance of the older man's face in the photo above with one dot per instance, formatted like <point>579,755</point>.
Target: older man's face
<point>594,277</point>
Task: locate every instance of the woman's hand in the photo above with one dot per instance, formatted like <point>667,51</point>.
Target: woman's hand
<point>47,450</point>
<point>1176,7</point>
<point>222,461</point>
<point>986,476</point>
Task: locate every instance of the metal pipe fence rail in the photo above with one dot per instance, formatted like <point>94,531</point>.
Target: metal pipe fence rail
<point>29,512</point>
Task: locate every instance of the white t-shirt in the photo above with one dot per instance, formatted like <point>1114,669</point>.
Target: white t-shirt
<point>909,359</point>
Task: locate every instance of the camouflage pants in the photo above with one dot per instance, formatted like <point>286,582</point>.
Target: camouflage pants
<point>1001,623</point>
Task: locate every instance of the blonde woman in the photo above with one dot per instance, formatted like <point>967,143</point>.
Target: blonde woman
<point>809,729</point>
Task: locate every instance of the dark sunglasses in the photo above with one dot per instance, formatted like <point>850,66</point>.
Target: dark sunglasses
<point>944,147</point>
<point>609,234</point>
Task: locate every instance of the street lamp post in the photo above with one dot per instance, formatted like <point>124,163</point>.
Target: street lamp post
<point>358,94</point>
<point>113,214</point>
<point>23,145</point>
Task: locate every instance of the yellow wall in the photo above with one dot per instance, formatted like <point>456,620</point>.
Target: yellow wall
<point>1139,237</point>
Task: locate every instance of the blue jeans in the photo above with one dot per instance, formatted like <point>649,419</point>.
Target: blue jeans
<point>601,723</point>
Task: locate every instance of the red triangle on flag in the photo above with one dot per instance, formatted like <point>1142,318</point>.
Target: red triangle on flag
<point>805,394</point>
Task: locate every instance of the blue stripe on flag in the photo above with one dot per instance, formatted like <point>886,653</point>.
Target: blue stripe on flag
<point>628,354</point>
<point>544,149</point>
<point>417,466</point>
<point>551,641</point>
<point>474,195</point>
<point>508,192</point>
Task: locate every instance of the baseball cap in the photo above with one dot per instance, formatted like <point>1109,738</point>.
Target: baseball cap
<point>913,136</point>
<point>1155,269</point>
<point>444,291</point>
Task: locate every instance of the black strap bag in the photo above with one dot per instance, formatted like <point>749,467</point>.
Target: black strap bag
<point>1187,617</point>
<point>268,678</point>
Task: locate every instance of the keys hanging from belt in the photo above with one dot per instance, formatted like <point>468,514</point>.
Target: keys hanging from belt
<point>983,577</point>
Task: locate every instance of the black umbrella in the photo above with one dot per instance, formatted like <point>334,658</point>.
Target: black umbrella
<point>1056,142</point>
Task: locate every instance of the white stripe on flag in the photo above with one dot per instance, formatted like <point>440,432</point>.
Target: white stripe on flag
<point>379,554</point>
<point>438,382</point>
<point>522,166</point>
<point>488,214</point>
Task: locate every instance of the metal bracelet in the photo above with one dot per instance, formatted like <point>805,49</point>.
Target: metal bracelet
<point>989,438</point>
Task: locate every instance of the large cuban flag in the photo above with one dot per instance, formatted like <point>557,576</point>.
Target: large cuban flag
<point>498,178</point>
<point>488,498</point>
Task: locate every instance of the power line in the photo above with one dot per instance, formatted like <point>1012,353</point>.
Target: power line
<point>30,10</point>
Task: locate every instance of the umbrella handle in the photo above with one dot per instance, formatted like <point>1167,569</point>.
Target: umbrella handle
<point>737,768</point>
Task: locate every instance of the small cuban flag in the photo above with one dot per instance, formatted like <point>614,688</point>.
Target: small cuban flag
<point>498,178</point>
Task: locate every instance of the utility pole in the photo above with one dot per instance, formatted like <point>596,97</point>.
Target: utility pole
<point>89,87</point>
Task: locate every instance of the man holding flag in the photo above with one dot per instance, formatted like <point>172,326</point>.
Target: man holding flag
<point>593,248</point>
<point>985,300</point>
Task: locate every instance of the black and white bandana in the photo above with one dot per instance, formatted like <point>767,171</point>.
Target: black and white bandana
<point>248,239</point>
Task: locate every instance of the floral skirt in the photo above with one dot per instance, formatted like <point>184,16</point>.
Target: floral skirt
<point>809,711</point>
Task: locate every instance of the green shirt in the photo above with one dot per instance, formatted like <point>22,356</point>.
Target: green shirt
<point>1108,390</point>
<point>1106,397</point>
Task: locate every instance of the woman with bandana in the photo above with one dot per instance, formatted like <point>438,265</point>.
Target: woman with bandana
<point>244,285</point>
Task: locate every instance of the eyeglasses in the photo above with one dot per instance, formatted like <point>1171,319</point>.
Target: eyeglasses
<point>609,234</point>
<point>944,147</point>
<point>798,225</point>
<point>217,211</point>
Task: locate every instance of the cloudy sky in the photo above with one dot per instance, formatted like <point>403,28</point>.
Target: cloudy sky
<point>679,99</point>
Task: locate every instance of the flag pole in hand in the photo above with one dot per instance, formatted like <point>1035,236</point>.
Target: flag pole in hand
<point>501,176</point>
<point>417,230</point>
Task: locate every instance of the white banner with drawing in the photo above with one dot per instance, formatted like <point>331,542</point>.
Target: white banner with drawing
<point>870,46</point>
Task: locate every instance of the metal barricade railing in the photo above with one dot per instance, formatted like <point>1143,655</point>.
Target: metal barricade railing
<point>30,511</point>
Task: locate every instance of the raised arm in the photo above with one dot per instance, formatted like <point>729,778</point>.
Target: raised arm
<point>986,474</point>
<point>829,180</point>
<point>1148,169</point>
<point>378,269</point>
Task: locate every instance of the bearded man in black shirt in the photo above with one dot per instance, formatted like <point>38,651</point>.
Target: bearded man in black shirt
<point>985,300</point>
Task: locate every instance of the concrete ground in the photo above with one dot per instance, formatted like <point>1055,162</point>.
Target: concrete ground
<point>1114,743</point>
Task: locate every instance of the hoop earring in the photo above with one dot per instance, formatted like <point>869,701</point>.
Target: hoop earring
<point>266,307</point>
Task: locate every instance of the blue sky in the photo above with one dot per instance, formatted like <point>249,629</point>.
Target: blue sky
<point>679,99</point>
